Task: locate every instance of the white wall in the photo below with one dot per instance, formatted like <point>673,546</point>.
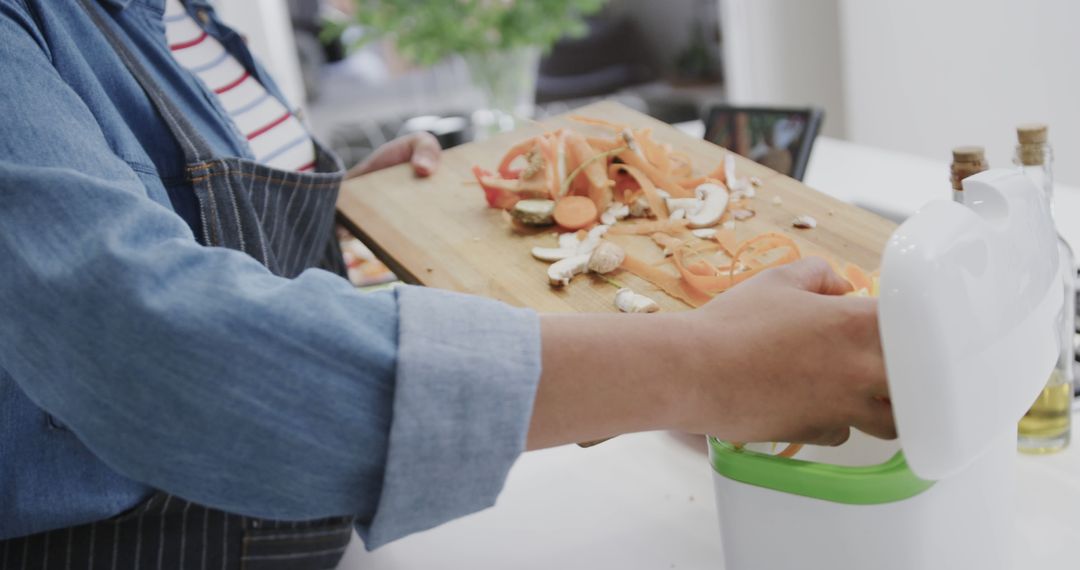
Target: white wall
<point>917,76</point>
<point>784,52</point>
<point>922,76</point>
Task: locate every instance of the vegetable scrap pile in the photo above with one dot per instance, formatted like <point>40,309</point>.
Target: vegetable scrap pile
<point>627,183</point>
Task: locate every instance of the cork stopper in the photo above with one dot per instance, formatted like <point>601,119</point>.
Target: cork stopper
<point>967,160</point>
<point>1031,133</point>
<point>1032,137</point>
<point>969,154</point>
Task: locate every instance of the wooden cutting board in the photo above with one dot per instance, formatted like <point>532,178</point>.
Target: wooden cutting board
<point>439,231</point>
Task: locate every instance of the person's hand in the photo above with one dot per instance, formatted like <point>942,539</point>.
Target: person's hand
<point>791,360</point>
<point>421,149</point>
<point>781,357</point>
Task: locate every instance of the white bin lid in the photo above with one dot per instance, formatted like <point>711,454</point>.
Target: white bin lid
<point>970,298</point>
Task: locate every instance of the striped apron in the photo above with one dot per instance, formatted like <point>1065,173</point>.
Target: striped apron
<point>285,220</point>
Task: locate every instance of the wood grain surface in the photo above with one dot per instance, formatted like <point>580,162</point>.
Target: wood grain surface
<point>439,231</point>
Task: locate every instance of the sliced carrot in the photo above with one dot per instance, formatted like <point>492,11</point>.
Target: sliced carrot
<point>649,228</point>
<point>659,209</point>
<point>575,212</point>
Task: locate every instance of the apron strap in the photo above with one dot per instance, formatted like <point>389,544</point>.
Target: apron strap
<point>194,146</point>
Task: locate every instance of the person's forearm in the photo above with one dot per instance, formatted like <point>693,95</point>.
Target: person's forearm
<point>779,358</point>
<point>604,375</point>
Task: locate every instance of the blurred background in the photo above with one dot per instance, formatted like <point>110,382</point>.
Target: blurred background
<point>916,77</point>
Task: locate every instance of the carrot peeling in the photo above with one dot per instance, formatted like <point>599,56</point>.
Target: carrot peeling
<point>656,204</point>
<point>511,155</point>
<point>649,228</point>
<point>668,283</point>
<point>790,450</point>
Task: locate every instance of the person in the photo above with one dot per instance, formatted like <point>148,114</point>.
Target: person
<point>185,380</point>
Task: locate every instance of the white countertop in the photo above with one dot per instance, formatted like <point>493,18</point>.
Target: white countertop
<point>645,501</point>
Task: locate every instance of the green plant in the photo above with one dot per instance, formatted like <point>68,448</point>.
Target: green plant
<point>427,31</point>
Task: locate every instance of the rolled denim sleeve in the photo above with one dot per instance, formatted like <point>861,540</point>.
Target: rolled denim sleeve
<point>194,370</point>
<point>467,373</point>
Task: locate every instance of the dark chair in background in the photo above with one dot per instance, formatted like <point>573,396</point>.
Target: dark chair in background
<point>598,63</point>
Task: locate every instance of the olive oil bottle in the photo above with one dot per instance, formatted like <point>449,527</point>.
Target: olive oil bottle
<point>1046,426</point>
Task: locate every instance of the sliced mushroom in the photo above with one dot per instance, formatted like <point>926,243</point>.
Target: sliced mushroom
<point>715,200</point>
<point>706,233</point>
<point>690,205</point>
<point>741,189</point>
<point>561,272</point>
<point>628,301</point>
<point>614,213</point>
<point>569,240</point>
<point>534,212</point>
<point>553,253</point>
<point>742,214</point>
<point>804,222</point>
<point>570,245</point>
<point>592,239</point>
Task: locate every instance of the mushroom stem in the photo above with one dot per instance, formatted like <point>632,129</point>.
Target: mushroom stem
<point>561,272</point>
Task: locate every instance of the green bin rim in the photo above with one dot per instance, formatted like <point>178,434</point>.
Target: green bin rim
<point>887,482</point>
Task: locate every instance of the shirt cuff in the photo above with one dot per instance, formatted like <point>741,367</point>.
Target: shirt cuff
<point>467,373</point>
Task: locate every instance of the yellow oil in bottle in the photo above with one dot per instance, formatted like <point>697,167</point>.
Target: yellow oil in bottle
<point>1045,427</point>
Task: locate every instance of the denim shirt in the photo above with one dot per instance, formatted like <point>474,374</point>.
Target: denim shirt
<point>133,359</point>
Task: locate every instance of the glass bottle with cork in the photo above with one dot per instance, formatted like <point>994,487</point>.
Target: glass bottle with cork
<point>967,160</point>
<point>1046,426</point>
